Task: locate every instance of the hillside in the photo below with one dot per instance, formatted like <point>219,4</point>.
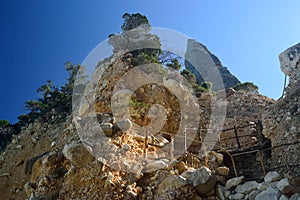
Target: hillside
<point>139,130</point>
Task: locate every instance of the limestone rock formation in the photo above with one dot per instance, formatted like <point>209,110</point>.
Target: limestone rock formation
<point>207,67</point>
<point>289,61</point>
<point>282,121</point>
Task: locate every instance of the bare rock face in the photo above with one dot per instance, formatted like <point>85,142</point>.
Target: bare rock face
<point>77,154</point>
<point>289,61</point>
<point>205,65</point>
<point>282,121</point>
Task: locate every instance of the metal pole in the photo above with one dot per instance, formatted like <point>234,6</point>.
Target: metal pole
<point>262,162</point>
<point>172,147</point>
<point>146,144</point>
<point>284,86</point>
<point>185,145</point>
<point>236,137</point>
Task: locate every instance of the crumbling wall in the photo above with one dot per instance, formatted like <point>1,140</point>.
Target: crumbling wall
<point>282,121</point>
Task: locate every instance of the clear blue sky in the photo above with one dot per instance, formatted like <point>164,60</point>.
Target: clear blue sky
<point>38,37</point>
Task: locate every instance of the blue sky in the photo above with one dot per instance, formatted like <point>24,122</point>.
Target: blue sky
<point>38,37</point>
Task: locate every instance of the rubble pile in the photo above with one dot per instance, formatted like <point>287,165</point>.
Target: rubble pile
<point>126,161</point>
<point>275,187</point>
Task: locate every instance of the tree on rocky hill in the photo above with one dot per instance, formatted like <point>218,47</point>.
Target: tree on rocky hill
<point>132,21</point>
<point>135,36</point>
<point>54,103</point>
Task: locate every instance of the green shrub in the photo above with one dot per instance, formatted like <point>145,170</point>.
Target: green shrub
<point>4,122</point>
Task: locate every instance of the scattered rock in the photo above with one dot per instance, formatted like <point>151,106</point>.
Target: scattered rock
<point>179,165</point>
<point>29,188</point>
<point>247,187</point>
<point>53,143</point>
<point>77,154</point>
<point>201,179</point>
<point>270,193</point>
<point>253,194</point>
<point>233,182</point>
<point>237,196</point>
<point>218,156</point>
<point>263,186</point>
<point>5,175</point>
<point>295,196</point>
<point>107,129</point>
<point>283,197</point>
<point>272,177</point>
<point>54,158</point>
<point>290,190</point>
<point>282,183</point>
<point>155,165</point>
<point>110,120</point>
<point>171,183</point>
<point>295,181</point>
<point>125,125</point>
<point>223,171</point>
<point>220,192</point>
<point>126,147</point>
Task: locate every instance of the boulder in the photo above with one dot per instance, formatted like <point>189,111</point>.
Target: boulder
<point>233,182</point>
<point>218,156</point>
<point>155,165</point>
<point>179,165</point>
<point>124,125</point>
<point>223,171</point>
<point>201,179</point>
<point>247,187</point>
<point>220,192</point>
<point>290,189</point>
<point>253,194</point>
<point>295,196</point>
<point>270,193</point>
<point>77,154</point>
<point>283,197</point>
<point>282,183</point>
<point>107,129</point>
<point>272,177</point>
<point>172,182</point>
<point>289,60</point>
<point>295,181</point>
<point>236,196</point>
<point>263,186</point>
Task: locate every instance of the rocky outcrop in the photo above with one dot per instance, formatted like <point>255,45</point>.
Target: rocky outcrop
<point>207,67</point>
<point>282,121</point>
<point>290,62</point>
<point>77,154</point>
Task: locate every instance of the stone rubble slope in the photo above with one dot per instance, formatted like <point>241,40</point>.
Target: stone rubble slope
<point>275,187</point>
<point>50,161</point>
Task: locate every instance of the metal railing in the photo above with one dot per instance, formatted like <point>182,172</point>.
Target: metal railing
<point>232,152</point>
